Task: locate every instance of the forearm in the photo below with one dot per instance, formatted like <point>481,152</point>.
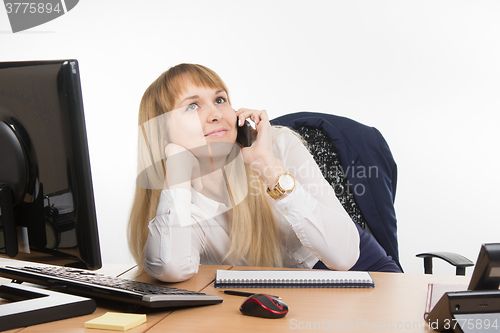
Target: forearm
<point>268,169</point>
<point>172,250</point>
<point>327,231</point>
<point>312,208</point>
<point>168,254</point>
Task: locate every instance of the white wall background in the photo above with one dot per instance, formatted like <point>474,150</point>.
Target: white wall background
<point>425,73</point>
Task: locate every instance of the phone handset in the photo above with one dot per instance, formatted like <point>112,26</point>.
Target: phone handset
<point>244,136</point>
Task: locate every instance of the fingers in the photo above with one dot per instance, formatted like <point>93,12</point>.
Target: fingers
<point>255,115</point>
<point>172,149</point>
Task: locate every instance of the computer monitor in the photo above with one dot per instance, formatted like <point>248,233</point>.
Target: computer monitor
<point>486,275</point>
<point>479,305</point>
<point>47,211</point>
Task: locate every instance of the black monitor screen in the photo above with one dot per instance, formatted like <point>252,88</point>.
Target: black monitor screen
<point>486,275</point>
<point>47,211</point>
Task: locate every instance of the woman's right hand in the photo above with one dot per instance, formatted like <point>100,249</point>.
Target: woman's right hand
<point>182,168</point>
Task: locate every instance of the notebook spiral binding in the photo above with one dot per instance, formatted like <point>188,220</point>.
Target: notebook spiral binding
<point>289,283</point>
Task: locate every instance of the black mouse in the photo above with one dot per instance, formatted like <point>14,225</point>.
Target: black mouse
<point>265,306</point>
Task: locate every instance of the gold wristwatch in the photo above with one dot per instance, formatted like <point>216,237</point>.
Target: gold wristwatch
<point>285,184</point>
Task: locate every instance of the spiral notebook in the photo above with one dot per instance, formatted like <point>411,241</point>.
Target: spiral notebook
<point>293,279</point>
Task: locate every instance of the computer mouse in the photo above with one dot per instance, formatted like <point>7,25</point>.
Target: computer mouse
<point>265,306</point>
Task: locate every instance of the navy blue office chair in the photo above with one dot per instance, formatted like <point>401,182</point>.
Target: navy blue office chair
<point>357,162</point>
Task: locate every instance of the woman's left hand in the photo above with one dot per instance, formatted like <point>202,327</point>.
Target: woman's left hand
<point>260,154</point>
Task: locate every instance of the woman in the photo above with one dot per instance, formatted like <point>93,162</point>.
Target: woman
<point>203,199</point>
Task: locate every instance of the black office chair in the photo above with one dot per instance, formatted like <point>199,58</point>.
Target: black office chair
<point>347,152</point>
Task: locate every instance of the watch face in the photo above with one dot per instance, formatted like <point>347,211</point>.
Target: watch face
<point>287,182</point>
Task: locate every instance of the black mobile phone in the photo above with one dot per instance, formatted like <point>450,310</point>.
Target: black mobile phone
<point>244,136</point>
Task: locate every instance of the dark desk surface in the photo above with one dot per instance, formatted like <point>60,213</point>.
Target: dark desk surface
<point>397,301</point>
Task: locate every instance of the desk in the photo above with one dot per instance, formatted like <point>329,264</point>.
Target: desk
<point>397,301</point>
<point>200,281</point>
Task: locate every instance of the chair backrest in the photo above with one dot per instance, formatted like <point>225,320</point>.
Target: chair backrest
<point>322,149</point>
<point>356,160</point>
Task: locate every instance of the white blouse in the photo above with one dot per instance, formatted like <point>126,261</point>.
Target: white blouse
<point>313,224</point>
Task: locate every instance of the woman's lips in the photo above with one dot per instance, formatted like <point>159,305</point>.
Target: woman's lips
<point>217,133</point>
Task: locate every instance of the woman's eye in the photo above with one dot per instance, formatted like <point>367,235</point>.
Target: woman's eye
<point>192,106</point>
<point>220,100</point>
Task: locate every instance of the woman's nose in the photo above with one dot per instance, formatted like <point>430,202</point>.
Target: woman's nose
<point>215,114</point>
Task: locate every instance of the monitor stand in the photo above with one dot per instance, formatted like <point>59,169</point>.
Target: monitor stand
<point>33,306</point>
<point>7,223</point>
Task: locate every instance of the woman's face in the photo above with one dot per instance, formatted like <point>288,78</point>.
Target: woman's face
<point>201,115</point>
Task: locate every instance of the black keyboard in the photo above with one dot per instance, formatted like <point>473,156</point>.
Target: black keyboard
<point>90,284</point>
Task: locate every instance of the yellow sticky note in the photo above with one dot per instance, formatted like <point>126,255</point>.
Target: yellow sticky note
<point>116,321</point>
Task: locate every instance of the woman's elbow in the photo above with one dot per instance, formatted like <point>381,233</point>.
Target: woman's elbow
<point>348,260</point>
<point>343,263</point>
<point>345,258</point>
<point>351,251</point>
<point>169,273</point>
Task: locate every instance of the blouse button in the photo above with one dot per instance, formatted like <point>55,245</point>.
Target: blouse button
<point>168,213</point>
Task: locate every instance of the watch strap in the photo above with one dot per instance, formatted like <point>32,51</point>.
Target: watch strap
<point>278,191</point>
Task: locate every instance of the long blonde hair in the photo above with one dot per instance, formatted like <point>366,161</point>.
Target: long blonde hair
<point>254,232</point>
